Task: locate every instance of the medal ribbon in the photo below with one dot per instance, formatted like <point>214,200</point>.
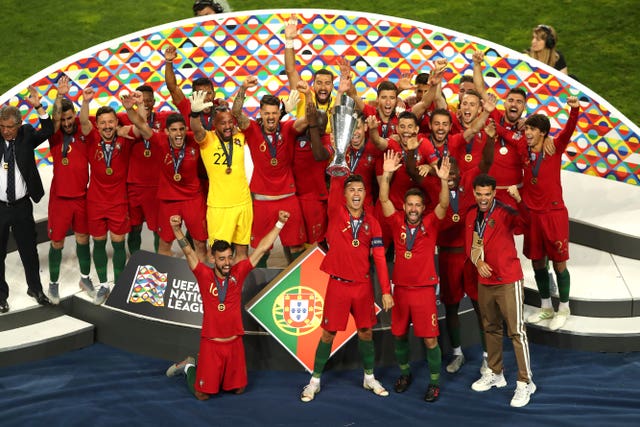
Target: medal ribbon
<point>355,225</point>
<point>412,233</point>
<point>354,158</point>
<point>177,161</point>
<point>222,287</point>
<point>445,147</point>
<point>207,123</point>
<point>107,151</point>
<point>227,153</point>
<point>453,200</point>
<point>502,141</point>
<point>481,223</point>
<point>66,141</point>
<point>538,161</point>
<point>272,141</point>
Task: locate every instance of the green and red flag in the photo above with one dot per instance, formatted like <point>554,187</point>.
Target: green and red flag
<point>290,308</point>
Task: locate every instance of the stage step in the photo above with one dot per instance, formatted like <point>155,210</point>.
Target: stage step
<point>44,339</point>
<point>603,334</point>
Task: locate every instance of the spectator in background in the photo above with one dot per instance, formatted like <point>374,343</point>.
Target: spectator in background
<point>206,7</point>
<point>543,48</point>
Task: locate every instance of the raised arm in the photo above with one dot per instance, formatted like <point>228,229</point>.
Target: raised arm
<point>488,105</point>
<point>170,53</point>
<point>380,142</point>
<point>346,76</point>
<point>390,165</point>
<point>478,79</point>
<point>301,122</point>
<point>267,241</point>
<point>238,102</point>
<point>488,151</point>
<point>63,90</point>
<point>141,127</point>
<point>290,34</point>
<point>443,197</point>
<point>198,104</point>
<point>320,153</point>
<point>85,123</point>
<point>189,253</point>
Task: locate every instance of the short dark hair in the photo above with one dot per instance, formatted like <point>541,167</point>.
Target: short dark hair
<point>465,78</point>
<point>324,72</point>
<point>220,246</point>
<point>202,81</point>
<point>105,110</point>
<point>174,118</point>
<point>145,88</point>
<point>484,180</point>
<point>198,5</point>
<point>387,85</point>
<point>473,92</point>
<point>440,112</point>
<point>408,115</point>
<point>353,178</point>
<point>518,91</point>
<point>422,79</point>
<point>66,105</point>
<point>414,191</point>
<point>539,121</point>
<point>269,99</point>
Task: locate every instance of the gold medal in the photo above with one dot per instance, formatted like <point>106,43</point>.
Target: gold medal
<point>468,158</point>
<point>503,150</point>
<point>455,217</point>
<point>403,236</point>
<point>263,147</point>
<point>221,307</point>
<point>109,171</point>
<point>177,177</point>
<point>147,153</point>
<point>355,243</point>
<point>408,254</point>
<point>228,171</point>
<point>274,161</point>
<point>534,180</point>
<point>5,166</point>
<point>65,161</point>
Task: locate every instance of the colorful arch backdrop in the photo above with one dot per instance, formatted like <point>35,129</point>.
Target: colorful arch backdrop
<point>231,46</point>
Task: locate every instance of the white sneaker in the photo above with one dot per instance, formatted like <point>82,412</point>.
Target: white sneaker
<point>375,386</point>
<point>489,380</point>
<point>455,364</point>
<point>484,368</point>
<point>559,319</point>
<point>309,391</point>
<point>522,394</point>
<point>540,315</point>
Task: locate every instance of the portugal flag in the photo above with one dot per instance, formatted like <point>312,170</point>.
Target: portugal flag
<point>290,308</point>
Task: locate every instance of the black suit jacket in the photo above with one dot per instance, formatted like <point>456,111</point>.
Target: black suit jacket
<point>28,140</point>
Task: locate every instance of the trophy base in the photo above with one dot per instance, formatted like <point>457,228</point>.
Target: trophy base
<point>338,170</point>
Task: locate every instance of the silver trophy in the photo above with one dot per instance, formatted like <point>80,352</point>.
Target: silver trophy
<point>343,124</point>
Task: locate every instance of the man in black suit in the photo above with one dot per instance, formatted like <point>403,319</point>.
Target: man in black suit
<point>19,184</point>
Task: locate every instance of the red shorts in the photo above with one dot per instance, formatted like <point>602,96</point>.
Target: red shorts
<point>344,298</point>
<point>314,214</point>
<point>103,217</point>
<point>458,276</point>
<point>65,214</point>
<point>221,365</point>
<point>415,304</point>
<point>548,235</point>
<point>193,213</point>
<point>265,216</point>
<point>143,205</point>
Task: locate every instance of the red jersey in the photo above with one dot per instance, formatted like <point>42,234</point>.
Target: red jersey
<point>461,200</point>
<point>418,268</point>
<point>69,180</point>
<point>144,163</point>
<point>104,186</point>
<point>425,154</point>
<point>309,173</point>
<point>157,120</point>
<point>272,156</point>
<point>542,186</point>
<point>500,224</point>
<point>344,259</point>
<point>188,185</point>
<point>228,322</point>
<point>456,126</point>
<point>467,154</point>
<point>507,163</point>
<point>384,129</point>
